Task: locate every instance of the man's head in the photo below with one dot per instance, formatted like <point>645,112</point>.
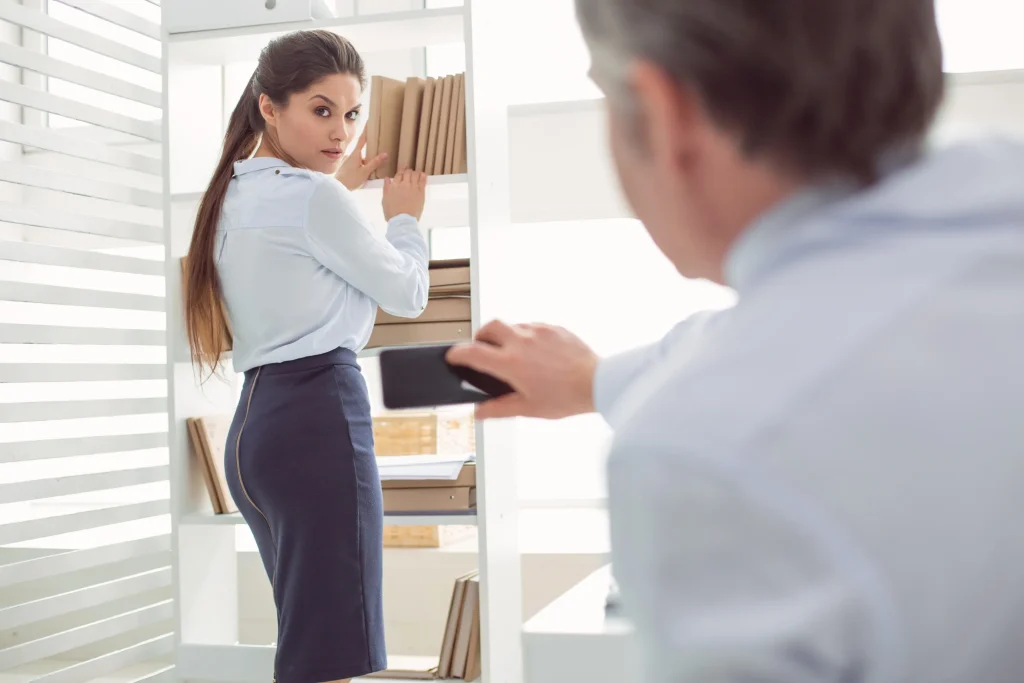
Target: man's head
<point>720,108</point>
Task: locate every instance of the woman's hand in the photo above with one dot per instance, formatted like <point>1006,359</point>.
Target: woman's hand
<point>355,170</point>
<point>405,193</point>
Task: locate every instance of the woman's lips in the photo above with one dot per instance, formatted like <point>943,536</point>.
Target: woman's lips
<point>332,154</point>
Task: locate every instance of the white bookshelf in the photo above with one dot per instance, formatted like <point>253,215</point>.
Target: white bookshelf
<point>196,65</point>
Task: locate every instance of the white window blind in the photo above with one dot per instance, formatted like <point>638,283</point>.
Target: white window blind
<point>85,581</point>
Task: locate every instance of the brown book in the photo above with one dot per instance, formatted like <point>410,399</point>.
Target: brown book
<point>433,499</point>
<point>213,434</point>
<point>205,466</point>
<point>470,604</point>
<point>460,133</point>
<point>451,629</point>
<point>442,131</point>
<point>473,668</point>
<point>440,310</point>
<point>409,334</point>
<point>435,123</point>
<point>466,478</point>
<point>453,118</point>
<point>407,142</point>
<point>426,111</point>
<point>373,118</point>
<point>392,102</point>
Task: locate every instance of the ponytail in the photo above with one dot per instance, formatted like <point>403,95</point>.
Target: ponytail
<point>205,319</point>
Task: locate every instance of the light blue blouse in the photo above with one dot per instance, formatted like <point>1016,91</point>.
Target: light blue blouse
<point>301,269</point>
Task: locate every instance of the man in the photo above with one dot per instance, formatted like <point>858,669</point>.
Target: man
<point>825,482</point>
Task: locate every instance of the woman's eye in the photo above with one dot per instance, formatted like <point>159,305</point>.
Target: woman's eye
<point>352,115</point>
<point>323,111</point>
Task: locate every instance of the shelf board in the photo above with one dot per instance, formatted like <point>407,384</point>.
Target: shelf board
<point>400,519</point>
<point>237,662</point>
<point>368,33</point>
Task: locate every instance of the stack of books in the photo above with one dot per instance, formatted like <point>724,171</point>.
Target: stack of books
<point>460,645</point>
<point>419,122</point>
<point>447,318</point>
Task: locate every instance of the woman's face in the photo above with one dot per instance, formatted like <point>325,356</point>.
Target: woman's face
<point>317,125</point>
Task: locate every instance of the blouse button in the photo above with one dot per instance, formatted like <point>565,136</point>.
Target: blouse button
<point>277,172</point>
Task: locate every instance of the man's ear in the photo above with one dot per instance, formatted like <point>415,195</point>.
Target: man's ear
<point>267,109</point>
<point>670,114</point>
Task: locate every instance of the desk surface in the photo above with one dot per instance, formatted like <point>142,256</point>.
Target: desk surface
<point>572,640</point>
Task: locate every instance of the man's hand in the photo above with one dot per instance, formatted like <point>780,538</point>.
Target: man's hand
<point>355,170</point>
<point>550,369</point>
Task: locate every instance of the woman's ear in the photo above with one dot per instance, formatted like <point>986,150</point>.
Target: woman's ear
<point>267,110</point>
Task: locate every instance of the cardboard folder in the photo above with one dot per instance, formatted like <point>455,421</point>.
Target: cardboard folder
<point>430,499</point>
<point>411,108</point>
<point>443,120</point>
<point>459,165</point>
<point>419,333</point>
<point>453,118</point>
<point>426,111</point>
<point>391,105</point>
<point>435,123</point>
<point>439,310</point>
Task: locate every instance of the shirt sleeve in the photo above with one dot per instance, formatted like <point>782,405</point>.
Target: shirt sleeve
<point>391,271</point>
<point>616,374</point>
<point>728,581</point>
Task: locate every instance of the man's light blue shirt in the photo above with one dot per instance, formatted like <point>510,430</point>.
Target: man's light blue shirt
<point>301,269</point>
<point>826,482</point>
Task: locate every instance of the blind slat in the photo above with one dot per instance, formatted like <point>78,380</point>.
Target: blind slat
<point>72,109</point>
<point>155,648</point>
<point>49,66</point>
<point>27,451</point>
<point>78,560</point>
<point>34,176</point>
<point>37,21</point>
<point>74,410</point>
<point>91,596</point>
<point>78,146</point>
<point>73,296</point>
<point>80,372</point>
<point>49,646</point>
<point>81,483</point>
<point>116,15</point>
<point>44,254</point>
<point>20,532</point>
<point>46,334</point>
<point>91,225</point>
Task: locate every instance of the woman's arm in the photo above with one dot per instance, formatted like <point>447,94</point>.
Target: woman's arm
<point>391,271</point>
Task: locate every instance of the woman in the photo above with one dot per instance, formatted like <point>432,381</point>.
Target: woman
<point>280,240</point>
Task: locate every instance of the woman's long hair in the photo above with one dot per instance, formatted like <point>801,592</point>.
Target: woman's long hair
<point>289,64</point>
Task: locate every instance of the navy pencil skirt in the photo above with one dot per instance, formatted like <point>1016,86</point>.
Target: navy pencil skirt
<point>302,471</point>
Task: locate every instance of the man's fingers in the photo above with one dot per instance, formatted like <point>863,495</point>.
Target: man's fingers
<point>509,405</point>
<point>482,357</point>
<point>496,332</point>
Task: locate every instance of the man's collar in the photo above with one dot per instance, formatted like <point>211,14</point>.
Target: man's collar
<point>257,164</point>
<point>760,240</point>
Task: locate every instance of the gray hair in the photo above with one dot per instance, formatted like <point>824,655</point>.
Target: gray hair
<point>819,87</point>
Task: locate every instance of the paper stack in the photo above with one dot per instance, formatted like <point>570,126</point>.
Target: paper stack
<point>419,122</point>
<point>447,318</point>
<point>430,484</point>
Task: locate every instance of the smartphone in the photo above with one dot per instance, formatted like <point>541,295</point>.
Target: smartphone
<point>420,377</point>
